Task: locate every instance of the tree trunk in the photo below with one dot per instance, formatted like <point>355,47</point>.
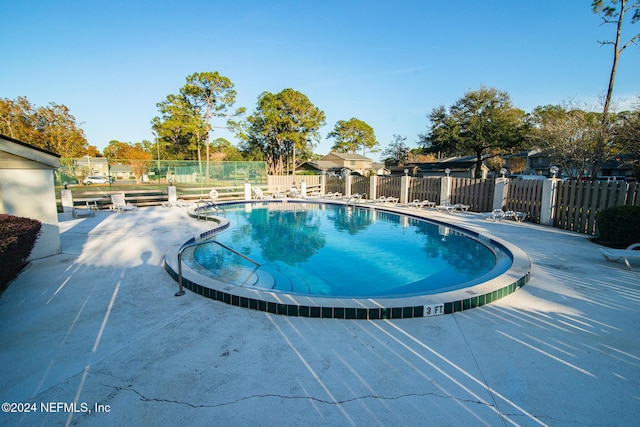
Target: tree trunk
<point>478,172</point>
<point>604,124</point>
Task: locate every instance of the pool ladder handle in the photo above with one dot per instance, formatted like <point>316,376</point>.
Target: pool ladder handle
<point>208,204</point>
<point>198,243</point>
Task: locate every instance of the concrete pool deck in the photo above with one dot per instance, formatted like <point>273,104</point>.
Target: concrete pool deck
<point>99,325</point>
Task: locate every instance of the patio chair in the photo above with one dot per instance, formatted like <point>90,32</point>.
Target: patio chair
<point>82,212</point>
<point>384,200</point>
<point>625,255</point>
<point>173,200</point>
<point>259,195</point>
<point>421,204</point>
<point>355,198</point>
<point>496,215</point>
<point>445,207</point>
<point>518,216</point>
<point>293,192</point>
<point>460,206</point>
<point>120,205</point>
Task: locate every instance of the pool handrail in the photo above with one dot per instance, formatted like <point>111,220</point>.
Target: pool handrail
<point>198,242</point>
<point>207,204</point>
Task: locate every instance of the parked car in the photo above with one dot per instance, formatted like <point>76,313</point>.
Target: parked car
<point>97,180</point>
<point>530,177</point>
<point>611,178</point>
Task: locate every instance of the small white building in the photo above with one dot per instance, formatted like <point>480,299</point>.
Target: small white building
<point>27,190</point>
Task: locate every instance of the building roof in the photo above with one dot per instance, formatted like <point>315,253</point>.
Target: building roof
<point>16,150</point>
<point>349,156</point>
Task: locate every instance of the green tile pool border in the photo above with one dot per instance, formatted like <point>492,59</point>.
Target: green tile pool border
<point>341,312</point>
<point>338,311</point>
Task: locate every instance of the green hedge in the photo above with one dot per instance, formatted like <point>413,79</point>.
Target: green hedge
<point>619,226</point>
<point>17,238</point>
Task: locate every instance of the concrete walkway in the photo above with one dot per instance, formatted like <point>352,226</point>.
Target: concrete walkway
<point>99,325</point>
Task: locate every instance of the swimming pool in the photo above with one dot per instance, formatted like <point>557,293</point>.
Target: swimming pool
<point>325,260</point>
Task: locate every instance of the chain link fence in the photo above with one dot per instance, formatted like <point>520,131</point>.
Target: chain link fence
<point>102,170</point>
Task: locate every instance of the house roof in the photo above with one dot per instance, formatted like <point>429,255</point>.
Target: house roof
<point>455,164</point>
<point>349,156</point>
<point>320,165</point>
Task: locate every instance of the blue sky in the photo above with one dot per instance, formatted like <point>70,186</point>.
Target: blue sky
<point>388,63</point>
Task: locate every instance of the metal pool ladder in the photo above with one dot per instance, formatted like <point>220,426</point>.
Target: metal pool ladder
<point>197,241</point>
<point>207,204</point>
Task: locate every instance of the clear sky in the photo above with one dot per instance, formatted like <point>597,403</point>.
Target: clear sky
<point>388,63</point>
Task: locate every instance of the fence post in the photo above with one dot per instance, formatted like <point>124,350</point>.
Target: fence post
<point>67,200</point>
<point>347,185</point>
<point>548,203</point>
<point>303,188</point>
<point>500,193</point>
<point>445,190</point>
<point>323,183</point>
<point>172,194</point>
<point>373,187</point>
<point>247,191</point>
<point>404,189</point>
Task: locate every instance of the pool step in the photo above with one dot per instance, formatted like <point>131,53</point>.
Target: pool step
<point>272,277</point>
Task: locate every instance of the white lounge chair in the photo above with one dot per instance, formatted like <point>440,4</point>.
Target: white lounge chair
<point>174,201</point>
<point>355,198</point>
<point>293,192</point>
<point>384,200</point>
<point>452,208</point>
<point>421,204</point>
<point>496,215</point>
<point>625,255</point>
<point>333,195</point>
<point>120,205</point>
<point>259,195</point>
<point>518,216</point>
<point>445,207</point>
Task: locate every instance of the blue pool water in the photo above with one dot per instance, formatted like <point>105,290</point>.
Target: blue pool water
<point>337,251</point>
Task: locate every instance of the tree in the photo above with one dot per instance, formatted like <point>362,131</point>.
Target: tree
<point>567,134</point>
<point>284,126</point>
<point>52,128</point>
<point>132,154</point>
<point>398,153</point>
<point>353,135</point>
<point>612,12</point>
<point>175,129</point>
<point>481,121</point>
<point>627,136</point>
<point>224,150</point>
<point>210,95</point>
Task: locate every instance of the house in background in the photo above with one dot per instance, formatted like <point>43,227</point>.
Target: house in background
<point>538,163</point>
<point>459,167</point>
<point>317,167</point>
<point>354,162</point>
<point>620,166</point>
<point>27,190</point>
<point>341,164</point>
<point>94,166</point>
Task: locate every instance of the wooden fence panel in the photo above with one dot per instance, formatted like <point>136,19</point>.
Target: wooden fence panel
<point>359,184</point>
<point>334,184</point>
<point>578,203</point>
<point>389,186</point>
<point>477,193</point>
<point>425,188</point>
<point>525,196</point>
<point>285,182</point>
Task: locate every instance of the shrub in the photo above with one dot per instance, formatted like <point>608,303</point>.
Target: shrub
<point>17,238</point>
<point>619,226</point>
